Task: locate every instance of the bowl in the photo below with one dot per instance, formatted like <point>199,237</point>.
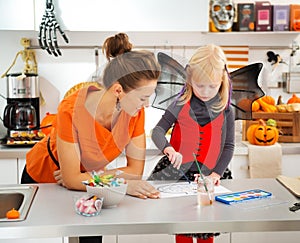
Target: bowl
<point>88,205</point>
<point>112,196</point>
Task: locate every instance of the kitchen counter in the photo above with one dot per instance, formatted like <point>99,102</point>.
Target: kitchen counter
<point>240,149</point>
<point>162,216</point>
<point>13,152</point>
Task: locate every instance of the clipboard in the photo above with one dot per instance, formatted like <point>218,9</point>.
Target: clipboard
<point>292,184</point>
<point>243,196</point>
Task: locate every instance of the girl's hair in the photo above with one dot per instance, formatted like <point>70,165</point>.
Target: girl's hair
<point>128,67</point>
<point>208,63</point>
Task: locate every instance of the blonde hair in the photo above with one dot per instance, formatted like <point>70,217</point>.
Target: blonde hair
<point>208,62</point>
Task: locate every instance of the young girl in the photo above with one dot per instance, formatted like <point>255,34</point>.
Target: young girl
<point>203,123</point>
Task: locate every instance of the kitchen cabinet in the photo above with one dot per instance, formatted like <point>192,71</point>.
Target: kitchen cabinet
<point>160,238</point>
<point>262,237</point>
<point>21,164</point>
<point>130,15</point>
<point>44,240</point>
<point>11,171</point>
<point>17,15</point>
<point>8,168</point>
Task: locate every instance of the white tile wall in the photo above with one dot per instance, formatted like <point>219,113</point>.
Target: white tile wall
<point>58,74</point>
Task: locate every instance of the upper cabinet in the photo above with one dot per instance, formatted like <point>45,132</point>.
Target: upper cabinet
<point>17,15</point>
<point>129,15</point>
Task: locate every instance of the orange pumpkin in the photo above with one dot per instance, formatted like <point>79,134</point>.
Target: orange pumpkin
<point>13,214</point>
<point>293,99</point>
<point>245,104</point>
<point>46,123</point>
<point>255,106</point>
<point>268,99</point>
<point>262,134</point>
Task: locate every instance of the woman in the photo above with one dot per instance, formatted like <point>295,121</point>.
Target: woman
<point>93,126</point>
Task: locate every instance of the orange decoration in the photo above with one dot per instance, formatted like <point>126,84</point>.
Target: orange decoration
<point>293,99</point>
<point>262,134</point>
<point>265,106</point>
<point>255,106</point>
<point>245,104</point>
<point>268,99</point>
<point>13,214</point>
<point>47,123</point>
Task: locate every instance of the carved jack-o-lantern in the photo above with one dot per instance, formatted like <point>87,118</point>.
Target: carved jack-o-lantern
<point>262,134</point>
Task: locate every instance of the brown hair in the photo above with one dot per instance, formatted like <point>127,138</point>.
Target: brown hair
<point>116,45</point>
<point>129,67</point>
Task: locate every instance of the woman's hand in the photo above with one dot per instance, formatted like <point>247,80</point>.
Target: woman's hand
<point>174,157</point>
<point>58,177</point>
<point>141,189</point>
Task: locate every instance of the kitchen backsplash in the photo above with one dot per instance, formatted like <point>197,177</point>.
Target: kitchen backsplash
<point>58,74</point>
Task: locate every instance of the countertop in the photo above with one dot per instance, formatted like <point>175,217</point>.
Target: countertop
<point>240,149</point>
<point>154,216</point>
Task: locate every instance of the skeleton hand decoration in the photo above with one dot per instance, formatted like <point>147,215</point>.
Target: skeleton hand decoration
<point>47,33</point>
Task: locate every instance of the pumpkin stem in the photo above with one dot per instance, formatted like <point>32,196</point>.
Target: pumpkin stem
<point>262,122</point>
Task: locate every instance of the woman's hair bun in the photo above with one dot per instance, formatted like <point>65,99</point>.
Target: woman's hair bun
<point>116,45</point>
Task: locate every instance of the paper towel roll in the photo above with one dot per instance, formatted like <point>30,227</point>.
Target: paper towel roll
<point>264,161</point>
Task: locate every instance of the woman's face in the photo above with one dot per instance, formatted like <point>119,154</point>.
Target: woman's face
<point>206,89</point>
<point>133,101</point>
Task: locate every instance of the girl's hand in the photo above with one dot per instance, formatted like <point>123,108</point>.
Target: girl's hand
<point>216,178</point>
<point>141,189</point>
<point>174,157</point>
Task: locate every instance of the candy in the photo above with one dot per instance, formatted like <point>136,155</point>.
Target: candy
<point>88,205</point>
<point>107,180</point>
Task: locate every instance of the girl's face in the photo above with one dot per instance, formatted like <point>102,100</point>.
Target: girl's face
<point>206,89</point>
<point>133,101</point>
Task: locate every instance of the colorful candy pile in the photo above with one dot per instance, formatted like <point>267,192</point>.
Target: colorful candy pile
<point>88,205</point>
<point>108,180</point>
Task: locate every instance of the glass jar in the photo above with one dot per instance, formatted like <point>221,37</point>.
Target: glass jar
<point>205,191</point>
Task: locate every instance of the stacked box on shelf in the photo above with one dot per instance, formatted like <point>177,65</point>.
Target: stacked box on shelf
<point>288,123</point>
<point>245,16</point>
<point>264,16</point>
<point>281,17</point>
<point>295,17</point>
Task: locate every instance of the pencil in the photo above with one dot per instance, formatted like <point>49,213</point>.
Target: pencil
<point>202,177</point>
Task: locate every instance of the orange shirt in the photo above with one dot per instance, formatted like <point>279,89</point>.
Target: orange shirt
<point>74,124</point>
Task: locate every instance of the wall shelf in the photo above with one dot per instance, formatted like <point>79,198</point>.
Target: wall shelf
<point>255,39</point>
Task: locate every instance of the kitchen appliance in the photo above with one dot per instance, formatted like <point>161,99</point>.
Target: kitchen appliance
<point>22,112</point>
<point>291,82</point>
